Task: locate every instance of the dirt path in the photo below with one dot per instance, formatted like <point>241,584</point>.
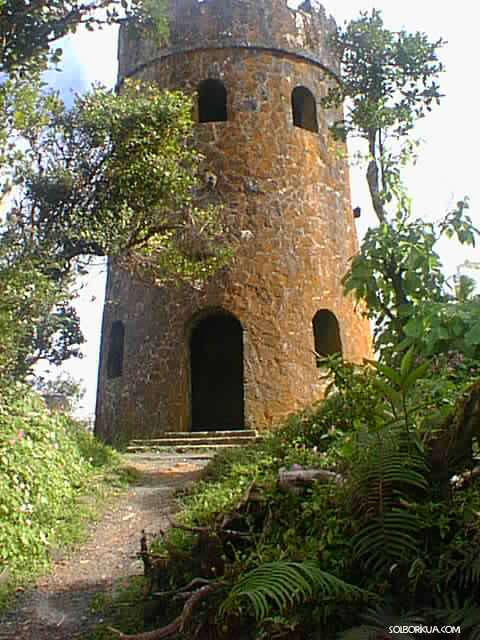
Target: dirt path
<point>58,608</point>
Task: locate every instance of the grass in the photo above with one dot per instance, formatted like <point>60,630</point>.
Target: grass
<point>124,610</point>
<point>55,479</point>
<point>72,530</point>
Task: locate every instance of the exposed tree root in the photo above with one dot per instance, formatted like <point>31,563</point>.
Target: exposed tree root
<point>196,582</point>
<point>211,531</point>
<point>178,625</point>
<point>211,544</point>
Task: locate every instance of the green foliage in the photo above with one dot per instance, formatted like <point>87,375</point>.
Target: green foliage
<point>46,462</point>
<point>399,275</point>
<point>115,175</point>
<point>390,77</point>
<point>284,584</point>
<point>64,386</point>
<point>227,479</point>
<point>452,609</point>
<point>376,623</point>
<point>28,30</point>
<point>37,319</point>
<point>351,402</point>
<point>390,81</point>
<point>386,533</point>
<point>124,609</point>
<point>445,327</point>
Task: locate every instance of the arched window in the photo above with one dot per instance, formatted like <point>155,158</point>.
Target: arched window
<point>115,350</point>
<point>326,334</point>
<point>304,109</point>
<point>212,101</point>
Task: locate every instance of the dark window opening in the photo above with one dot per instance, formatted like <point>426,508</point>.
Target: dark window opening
<point>304,109</point>
<point>326,333</point>
<point>216,352</point>
<point>212,101</point>
<point>115,350</point>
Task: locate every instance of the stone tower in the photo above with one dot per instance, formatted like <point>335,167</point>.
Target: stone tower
<point>240,351</point>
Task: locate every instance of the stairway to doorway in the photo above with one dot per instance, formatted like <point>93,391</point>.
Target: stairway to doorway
<point>194,440</point>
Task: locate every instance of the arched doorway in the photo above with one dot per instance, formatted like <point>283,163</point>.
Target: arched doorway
<point>216,365</point>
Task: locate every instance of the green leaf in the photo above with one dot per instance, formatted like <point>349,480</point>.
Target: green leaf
<point>414,375</point>
<point>388,372</point>
<point>472,337</point>
<point>389,392</point>
<point>413,328</point>
<point>406,364</point>
<point>276,585</point>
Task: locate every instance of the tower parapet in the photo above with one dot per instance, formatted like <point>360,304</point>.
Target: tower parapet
<point>217,24</point>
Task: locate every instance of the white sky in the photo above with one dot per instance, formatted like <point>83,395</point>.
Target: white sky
<point>448,160</point>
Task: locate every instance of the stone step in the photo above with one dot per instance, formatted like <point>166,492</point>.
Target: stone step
<point>183,441</point>
<point>244,433</point>
<point>181,448</point>
<point>171,442</point>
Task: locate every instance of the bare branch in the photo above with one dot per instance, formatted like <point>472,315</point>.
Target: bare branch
<point>178,625</point>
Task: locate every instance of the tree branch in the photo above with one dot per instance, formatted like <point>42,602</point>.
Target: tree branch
<point>178,625</point>
<point>372,180</point>
<point>291,480</point>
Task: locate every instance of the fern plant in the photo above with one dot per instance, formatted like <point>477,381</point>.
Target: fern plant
<point>466,572</point>
<point>452,609</point>
<point>274,586</point>
<point>385,481</point>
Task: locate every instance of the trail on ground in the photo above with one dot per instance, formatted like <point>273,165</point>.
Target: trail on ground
<point>58,607</point>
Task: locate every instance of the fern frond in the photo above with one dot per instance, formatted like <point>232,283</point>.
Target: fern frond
<point>451,610</point>
<point>385,471</point>
<point>281,584</point>
<point>466,573</point>
<point>386,477</point>
<point>391,538</point>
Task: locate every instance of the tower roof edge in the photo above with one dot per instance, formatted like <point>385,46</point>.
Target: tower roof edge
<point>265,24</point>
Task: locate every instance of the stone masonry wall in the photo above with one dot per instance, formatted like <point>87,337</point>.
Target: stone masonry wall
<point>289,187</point>
<point>209,24</point>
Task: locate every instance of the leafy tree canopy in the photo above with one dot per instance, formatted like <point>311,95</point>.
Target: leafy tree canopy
<point>30,29</point>
<point>116,175</point>
<point>389,81</point>
<point>37,318</point>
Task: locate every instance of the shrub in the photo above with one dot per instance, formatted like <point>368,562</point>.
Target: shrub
<point>399,530</point>
<point>45,462</point>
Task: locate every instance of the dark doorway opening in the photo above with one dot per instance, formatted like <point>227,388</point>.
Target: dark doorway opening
<point>216,353</point>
